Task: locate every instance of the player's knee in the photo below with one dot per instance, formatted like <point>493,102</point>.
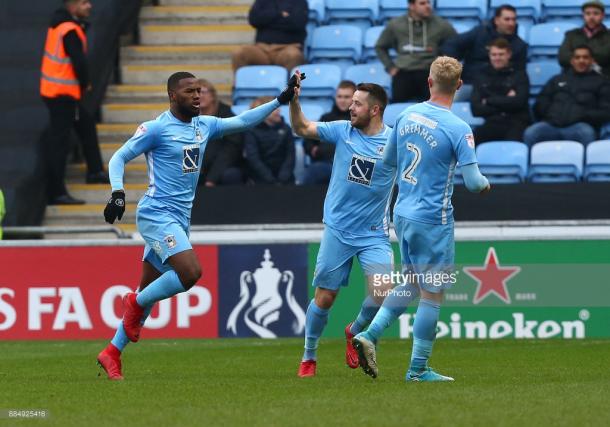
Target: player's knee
<point>190,276</point>
<point>324,298</point>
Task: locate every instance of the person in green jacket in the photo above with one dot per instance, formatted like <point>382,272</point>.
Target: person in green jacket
<point>593,34</point>
<point>416,37</point>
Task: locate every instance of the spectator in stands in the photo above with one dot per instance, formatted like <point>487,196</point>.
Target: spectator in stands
<point>223,162</point>
<point>572,104</point>
<point>416,37</point>
<point>500,95</point>
<point>322,153</point>
<point>269,148</point>
<point>471,46</point>
<point>64,80</point>
<point>593,34</point>
<point>280,34</point>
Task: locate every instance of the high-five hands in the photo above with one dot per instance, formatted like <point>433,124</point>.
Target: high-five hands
<point>288,93</point>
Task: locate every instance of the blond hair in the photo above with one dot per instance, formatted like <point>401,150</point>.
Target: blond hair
<point>446,72</point>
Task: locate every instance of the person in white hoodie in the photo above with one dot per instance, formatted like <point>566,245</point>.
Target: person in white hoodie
<point>416,37</point>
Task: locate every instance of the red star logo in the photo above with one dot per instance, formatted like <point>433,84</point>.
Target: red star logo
<point>491,278</point>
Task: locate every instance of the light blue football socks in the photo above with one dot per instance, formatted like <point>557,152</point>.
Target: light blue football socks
<point>367,312</point>
<point>315,321</point>
<point>166,286</point>
<point>424,333</point>
<point>120,339</point>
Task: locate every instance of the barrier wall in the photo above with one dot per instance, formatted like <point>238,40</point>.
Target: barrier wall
<point>504,289</point>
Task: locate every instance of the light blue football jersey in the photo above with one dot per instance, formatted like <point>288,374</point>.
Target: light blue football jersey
<point>426,143</point>
<point>360,189</point>
<point>174,153</point>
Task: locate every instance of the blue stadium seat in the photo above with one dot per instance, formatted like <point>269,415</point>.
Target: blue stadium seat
<point>258,80</point>
<point>321,81</point>
<point>503,162</point>
<point>239,108</point>
<point>463,26</point>
<point>545,39</point>
<point>597,165</point>
<point>462,110</point>
<point>311,111</point>
<point>526,9</point>
<point>561,9</point>
<point>393,110</point>
<point>317,11</point>
<point>463,94</point>
<point>341,43</point>
<point>389,9</point>
<point>556,161</point>
<point>605,132</point>
<point>370,73</point>
<point>540,72</point>
<point>463,9</point>
<point>370,40</point>
<point>342,11</point>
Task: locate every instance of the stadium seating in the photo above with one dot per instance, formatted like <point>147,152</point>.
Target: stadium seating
<point>561,9</point>
<point>393,110</point>
<point>321,82</point>
<point>389,9</point>
<point>311,111</point>
<point>462,110</point>
<point>337,43</point>
<point>341,11</point>
<point>463,94</point>
<point>597,166</point>
<point>556,161</point>
<point>317,11</point>
<point>526,9</point>
<point>239,108</point>
<point>370,39</point>
<point>503,162</point>
<point>605,132</point>
<point>463,26</point>
<point>370,73</point>
<point>258,80</point>
<point>539,72</point>
<point>545,39</point>
<point>463,9</point>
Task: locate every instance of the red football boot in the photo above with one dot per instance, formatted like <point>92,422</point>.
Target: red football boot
<point>307,369</point>
<point>351,355</point>
<point>109,359</point>
<point>132,317</point>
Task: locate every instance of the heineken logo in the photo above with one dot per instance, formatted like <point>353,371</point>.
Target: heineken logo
<point>491,278</point>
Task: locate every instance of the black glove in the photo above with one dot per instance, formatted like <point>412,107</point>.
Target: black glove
<point>115,207</point>
<point>286,96</point>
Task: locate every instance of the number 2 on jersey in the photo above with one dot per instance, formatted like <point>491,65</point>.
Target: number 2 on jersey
<point>408,174</point>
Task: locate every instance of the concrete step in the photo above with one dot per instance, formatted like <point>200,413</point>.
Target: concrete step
<point>99,193</point>
<point>135,173</point>
<point>117,94</point>
<point>128,113</point>
<point>109,148</point>
<point>89,214</point>
<point>194,15</point>
<point>205,2</point>
<point>115,132</point>
<point>196,34</point>
<point>159,73</point>
<point>169,54</point>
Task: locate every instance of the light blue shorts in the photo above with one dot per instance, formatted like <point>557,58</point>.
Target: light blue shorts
<point>427,249</point>
<point>164,234</point>
<point>337,250</point>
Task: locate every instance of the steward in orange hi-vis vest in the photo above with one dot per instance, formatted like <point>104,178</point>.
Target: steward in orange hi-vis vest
<point>59,74</point>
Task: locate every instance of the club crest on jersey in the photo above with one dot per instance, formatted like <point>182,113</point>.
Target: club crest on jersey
<point>190,158</point>
<point>198,135</point>
<point>380,150</point>
<point>361,170</point>
<point>170,241</point>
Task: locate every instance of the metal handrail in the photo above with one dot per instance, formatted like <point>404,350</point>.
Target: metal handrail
<point>28,230</point>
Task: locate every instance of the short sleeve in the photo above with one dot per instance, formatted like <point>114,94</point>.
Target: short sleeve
<point>463,146</point>
<point>330,131</point>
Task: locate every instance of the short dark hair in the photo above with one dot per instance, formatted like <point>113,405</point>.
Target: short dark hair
<point>174,79</point>
<point>347,84</point>
<point>502,7</point>
<point>500,43</point>
<point>376,93</point>
<point>582,46</point>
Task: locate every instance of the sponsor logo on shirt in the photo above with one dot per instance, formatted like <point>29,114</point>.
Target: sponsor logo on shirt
<point>141,130</point>
<point>361,170</point>
<point>190,158</point>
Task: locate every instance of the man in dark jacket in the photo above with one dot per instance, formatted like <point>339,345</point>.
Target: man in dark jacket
<point>322,153</point>
<point>280,34</point>
<point>593,34</point>
<point>500,95</point>
<point>572,104</point>
<point>223,162</point>
<point>64,81</point>
<point>270,149</point>
<point>471,46</point>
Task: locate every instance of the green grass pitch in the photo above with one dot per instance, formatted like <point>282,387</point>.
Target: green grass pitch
<point>253,382</point>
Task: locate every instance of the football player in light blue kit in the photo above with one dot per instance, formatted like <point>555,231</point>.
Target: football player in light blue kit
<point>427,142</point>
<point>174,144</point>
<point>356,214</point>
